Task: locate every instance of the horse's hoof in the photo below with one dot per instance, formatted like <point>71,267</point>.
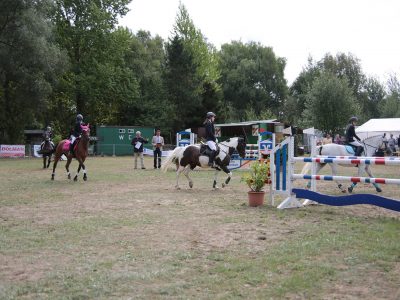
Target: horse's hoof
<point>350,190</point>
<point>223,185</point>
<point>69,176</point>
<point>75,178</point>
<point>216,187</point>
<point>190,184</point>
<point>84,178</point>
<point>177,187</point>
<point>378,190</point>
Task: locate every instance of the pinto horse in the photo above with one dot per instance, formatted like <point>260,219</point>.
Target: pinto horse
<point>371,145</point>
<point>46,149</point>
<point>80,153</point>
<point>189,157</point>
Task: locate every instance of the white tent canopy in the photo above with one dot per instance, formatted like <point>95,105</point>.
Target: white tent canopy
<point>378,127</point>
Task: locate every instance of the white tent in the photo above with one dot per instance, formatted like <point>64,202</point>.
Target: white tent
<point>378,127</point>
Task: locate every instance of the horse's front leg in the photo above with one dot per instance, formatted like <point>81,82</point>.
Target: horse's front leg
<point>69,159</point>
<point>215,186</point>
<point>49,161</point>
<point>44,161</point>
<point>359,174</point>
<point>56,159</point>
<point>178,173</point>
<point>368,171</point>
<point>79,168</point>
<point>186,173</point>
<point>226,170</point>
<point>84,172</point>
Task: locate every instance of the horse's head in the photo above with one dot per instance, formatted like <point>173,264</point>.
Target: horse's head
<point>372,144</point>
<point>85,130</point>
<point>47,136</point>
<point>241,147</point>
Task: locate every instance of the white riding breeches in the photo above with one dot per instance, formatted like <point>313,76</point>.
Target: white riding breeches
<point>212,145</point>
<point>72,138</point>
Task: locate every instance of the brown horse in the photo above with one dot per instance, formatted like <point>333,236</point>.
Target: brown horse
<point>80,153</point>
<point>46,149</point>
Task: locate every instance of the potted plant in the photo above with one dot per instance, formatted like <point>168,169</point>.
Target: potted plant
<point>256,179</point>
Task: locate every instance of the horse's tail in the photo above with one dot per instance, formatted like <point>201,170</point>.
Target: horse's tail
<point>171,159</point>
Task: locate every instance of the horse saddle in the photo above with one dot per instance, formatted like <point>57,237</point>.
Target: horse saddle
<point>67,144</point>
<point>205,150</point>
<point>350,149</point>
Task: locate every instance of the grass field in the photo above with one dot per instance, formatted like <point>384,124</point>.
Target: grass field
<point>128,233</point>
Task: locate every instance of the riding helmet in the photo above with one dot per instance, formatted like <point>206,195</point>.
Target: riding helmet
<point>353,119</point>
<point>79,117</point>
<point>211,114</point>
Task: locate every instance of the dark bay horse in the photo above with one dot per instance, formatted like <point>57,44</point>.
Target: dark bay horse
<point>46,149</point>
<point>189,157</point>
<point>80,153</point>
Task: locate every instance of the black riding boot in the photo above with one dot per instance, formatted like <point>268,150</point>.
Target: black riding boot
<point>71,148</point>
<point>359,150</point>
<point>212,157</point>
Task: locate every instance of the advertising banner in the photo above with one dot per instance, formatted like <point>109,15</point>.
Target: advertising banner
<point>12,150</point>
<point>36,148</point>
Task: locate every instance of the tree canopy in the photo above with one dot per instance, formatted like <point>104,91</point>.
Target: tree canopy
<point>63,57</point>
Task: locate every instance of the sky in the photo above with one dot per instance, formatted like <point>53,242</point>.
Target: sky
<point>295,29</point>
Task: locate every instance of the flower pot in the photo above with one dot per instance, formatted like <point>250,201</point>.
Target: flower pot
<point>256,198</point>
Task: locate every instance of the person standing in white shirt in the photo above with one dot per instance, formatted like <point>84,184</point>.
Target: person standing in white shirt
<point>158,143</point>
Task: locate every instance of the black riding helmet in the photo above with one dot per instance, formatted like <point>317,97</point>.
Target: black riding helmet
<point>210,114</point>
<point>353,119</point>
<point>79,117</point>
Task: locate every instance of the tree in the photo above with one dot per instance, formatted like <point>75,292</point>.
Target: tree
<point>86,29</point>
<point>29,64</point>
<point>252,77</point>
<point>329,104</point>
<point>191,73</point>
<point>391,104</point>
<point>146,59</point>
<point>371,98</point>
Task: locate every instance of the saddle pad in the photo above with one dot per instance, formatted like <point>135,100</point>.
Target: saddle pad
<point>66,145</point>
<point>350,149</point>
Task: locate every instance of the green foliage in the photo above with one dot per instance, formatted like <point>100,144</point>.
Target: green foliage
<point>252,76</point>
<point>29,66</point>
<point>329,104</point>
<point>258,176</point>
<point>191,73</point>
<point>86,31</point>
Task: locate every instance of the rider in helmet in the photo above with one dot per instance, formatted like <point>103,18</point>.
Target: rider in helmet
<point>210,136</point>
<point>76,132</point>
<point>47,134</point>
<point>351,136</point>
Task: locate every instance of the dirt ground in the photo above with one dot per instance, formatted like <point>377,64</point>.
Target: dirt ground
<point>126,226</point>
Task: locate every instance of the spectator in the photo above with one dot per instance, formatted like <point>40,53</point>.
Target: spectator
<point>338,139</point>
<point>137,143</point>
<point>398,143</point>
<point>392,144</point>
<point>158,143</point>
<point>327,139</point>
<point>384,140</point>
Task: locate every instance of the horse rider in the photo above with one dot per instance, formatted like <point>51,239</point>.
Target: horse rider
<point>47,134</point>
<point>210,137</point>
<point>351,136</point>
<point>76,132</point>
